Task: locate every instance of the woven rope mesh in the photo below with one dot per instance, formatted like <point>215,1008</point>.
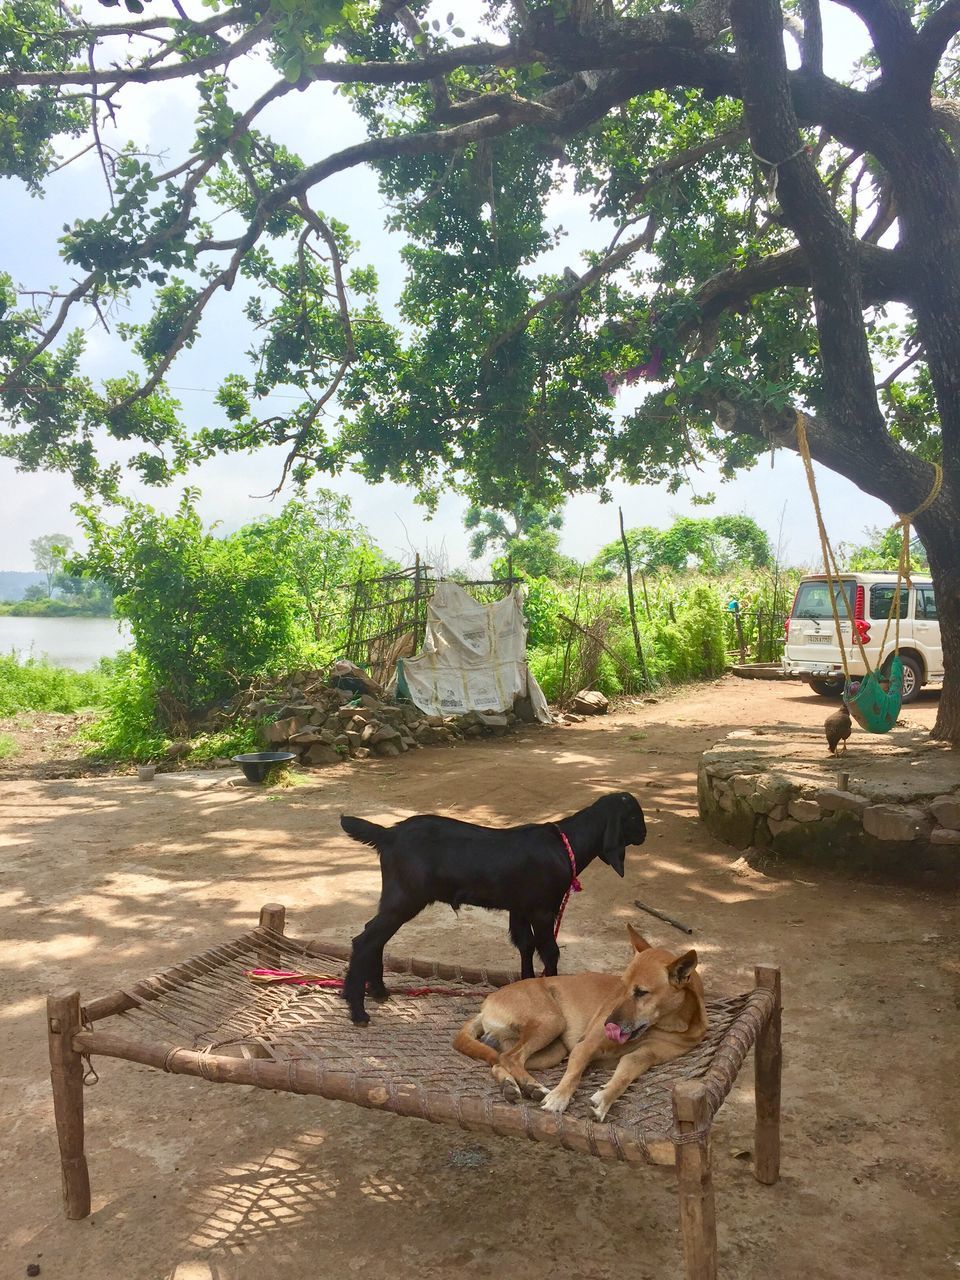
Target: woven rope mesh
<point>210,1005</point>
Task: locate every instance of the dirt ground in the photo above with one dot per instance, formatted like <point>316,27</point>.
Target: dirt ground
<point>103,880</point>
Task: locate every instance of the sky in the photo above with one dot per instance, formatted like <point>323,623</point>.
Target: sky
<point>233,489</point>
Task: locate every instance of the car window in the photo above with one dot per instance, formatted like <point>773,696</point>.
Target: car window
<point>881,601</point>
<point>813,600</point>
<point>926,606</point>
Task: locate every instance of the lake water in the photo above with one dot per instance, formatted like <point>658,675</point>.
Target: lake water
<point>78,643</point>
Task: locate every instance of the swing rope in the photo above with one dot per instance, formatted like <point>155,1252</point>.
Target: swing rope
<point>874,712</point>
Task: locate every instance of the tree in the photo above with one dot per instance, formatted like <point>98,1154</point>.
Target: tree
<point>205,612</point>
<point>779,213</point>
<point>317,547</point>
<point>527,536</point>
<point>49,552</point>
<point>713,545</point>
<point>883,552</point>
<point>496,529</point>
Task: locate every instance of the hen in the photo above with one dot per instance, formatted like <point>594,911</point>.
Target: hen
<point>838,728</point>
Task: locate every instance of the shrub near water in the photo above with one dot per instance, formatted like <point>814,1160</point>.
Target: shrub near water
<point>36,685</point>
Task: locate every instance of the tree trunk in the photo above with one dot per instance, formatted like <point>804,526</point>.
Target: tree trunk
<point>941,549</point>
<point>927,186</point>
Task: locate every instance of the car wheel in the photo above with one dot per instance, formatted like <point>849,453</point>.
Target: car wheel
<point>827,688</point>
<point>912,678</point>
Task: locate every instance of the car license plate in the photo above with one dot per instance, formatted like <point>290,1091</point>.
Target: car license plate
<point>819,639</point>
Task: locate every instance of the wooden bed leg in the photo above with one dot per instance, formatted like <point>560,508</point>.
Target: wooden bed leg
<point>273,916</point>
<point>66,1077</point>
<point>767,1059</point>
<point>698,1220</point>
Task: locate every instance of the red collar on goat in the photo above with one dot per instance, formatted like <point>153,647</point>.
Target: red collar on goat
<point>574,887</point>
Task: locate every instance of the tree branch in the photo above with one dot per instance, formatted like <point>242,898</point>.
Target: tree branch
<point>831,251</point>
<point>893,34</point>
<point>895,476</point>
<point>811,50</point>
<point>480,54</point>
<point>936,33</point>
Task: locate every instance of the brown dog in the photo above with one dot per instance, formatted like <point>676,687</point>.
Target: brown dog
<point>652,1013</point>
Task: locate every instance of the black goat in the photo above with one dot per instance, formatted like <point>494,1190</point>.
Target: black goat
<point>523,870</point>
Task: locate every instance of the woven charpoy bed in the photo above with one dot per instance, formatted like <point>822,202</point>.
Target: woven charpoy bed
<point>208,1018</point>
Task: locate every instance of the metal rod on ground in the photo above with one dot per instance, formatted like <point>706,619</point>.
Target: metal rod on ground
<point>652,911</point>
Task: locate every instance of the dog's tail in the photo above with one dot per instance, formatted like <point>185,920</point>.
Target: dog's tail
<point>467,1042</point>
<point>366,832</point>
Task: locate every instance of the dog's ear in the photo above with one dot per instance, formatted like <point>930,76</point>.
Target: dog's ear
<point>679,970</point>
<point>638,943</point>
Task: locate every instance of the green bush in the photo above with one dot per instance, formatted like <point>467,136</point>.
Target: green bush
<point>34,684</point>
<point>128,728</point>
<point>206,613</point>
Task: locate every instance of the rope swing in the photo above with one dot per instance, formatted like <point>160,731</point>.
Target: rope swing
<point>875,703</point>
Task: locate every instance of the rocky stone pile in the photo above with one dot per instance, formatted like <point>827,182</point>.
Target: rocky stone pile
<point>892,804</point>
<point>323,724</point>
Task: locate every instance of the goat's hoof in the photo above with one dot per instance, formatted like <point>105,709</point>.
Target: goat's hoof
<point>510,1090</point>
<point>535,1092</point>
<point>555,1102</point>
<point>378,992</point>
<point>359,1017</point>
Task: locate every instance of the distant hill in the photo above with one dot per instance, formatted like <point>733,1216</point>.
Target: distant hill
<point>13,584</point>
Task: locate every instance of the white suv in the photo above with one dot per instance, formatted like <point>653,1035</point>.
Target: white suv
<point>863,603</point>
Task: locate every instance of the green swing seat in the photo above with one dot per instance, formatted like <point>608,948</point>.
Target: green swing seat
<point>874,707</point>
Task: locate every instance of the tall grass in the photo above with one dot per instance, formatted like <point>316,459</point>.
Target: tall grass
<point>33,684</point>
<point>580,636</point>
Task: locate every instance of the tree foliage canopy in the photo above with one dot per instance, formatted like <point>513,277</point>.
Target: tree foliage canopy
<point>501,372</point>
<point>714,545</point>
<point>762,217</point>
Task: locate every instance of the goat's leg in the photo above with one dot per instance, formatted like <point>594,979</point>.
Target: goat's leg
<point>375,986</point>
<point>521,935</point>
<point>366,958</point>
<point>546,943</point>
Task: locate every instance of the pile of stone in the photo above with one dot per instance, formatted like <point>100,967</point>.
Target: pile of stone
<point>324,724</point>
<point>891,804</point>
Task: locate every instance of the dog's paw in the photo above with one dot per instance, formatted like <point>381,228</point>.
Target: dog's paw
<point>599,1106</point>
<point>510,1090</point>
<point>555,1102</point>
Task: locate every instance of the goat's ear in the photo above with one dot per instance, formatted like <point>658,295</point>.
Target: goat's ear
<point>638,943</point>
<point>615,858</point>
<point>679,970</point>
<point>613,836</point>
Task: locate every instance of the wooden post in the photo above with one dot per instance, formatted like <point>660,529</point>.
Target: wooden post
<point>273,917</point>
<point>741,639</point>
<point>646,598</point>
<point>767,1060</point>
<point>416,605</point>
<point>630,601</point>
<point>66,1077</point>
<point>698,1219</point>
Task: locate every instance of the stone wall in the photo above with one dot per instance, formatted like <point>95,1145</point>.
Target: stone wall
<point>775,792</point>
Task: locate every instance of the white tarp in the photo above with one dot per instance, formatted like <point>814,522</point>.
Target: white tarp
<point>473,657</point>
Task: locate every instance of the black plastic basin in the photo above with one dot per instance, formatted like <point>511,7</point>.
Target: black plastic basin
<point>257,764</point>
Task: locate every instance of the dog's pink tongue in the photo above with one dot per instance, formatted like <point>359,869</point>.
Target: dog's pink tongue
<point>615,1032</point>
